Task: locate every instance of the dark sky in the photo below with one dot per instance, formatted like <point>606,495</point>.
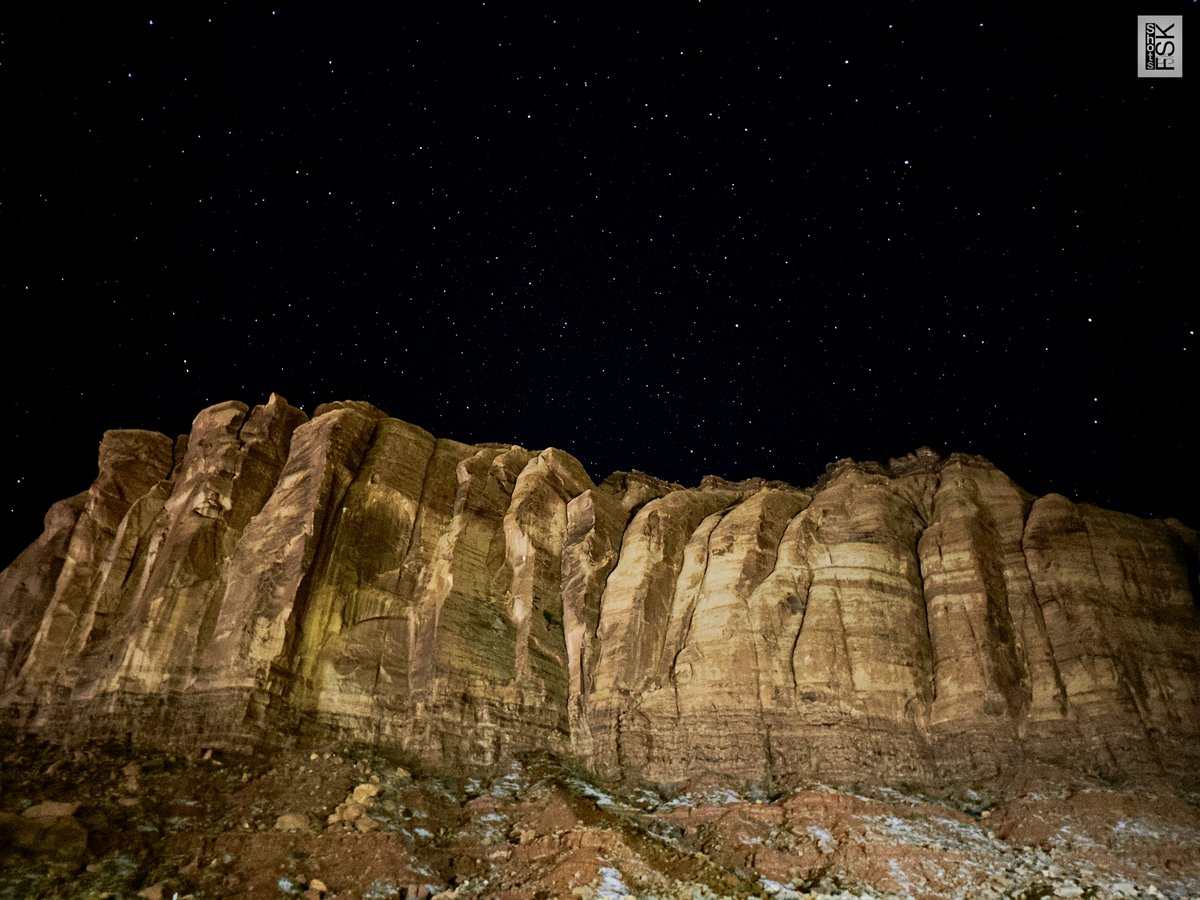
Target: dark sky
<point>703,240</point>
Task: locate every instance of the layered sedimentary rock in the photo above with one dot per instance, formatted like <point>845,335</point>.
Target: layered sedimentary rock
<point>272,578</point>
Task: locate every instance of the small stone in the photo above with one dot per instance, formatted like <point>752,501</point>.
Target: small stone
<point>317,884</point>
<point>365,793</point>
<point>310,894</point>
<point>154,892</point>
<point>312,756</point>
<point>1068,889</point>
<point>365,824</point>
<point>50,809</point>
<point>292,822</point>
<point>352,811</point>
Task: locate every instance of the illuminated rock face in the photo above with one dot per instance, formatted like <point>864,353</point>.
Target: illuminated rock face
<point>273,578</point>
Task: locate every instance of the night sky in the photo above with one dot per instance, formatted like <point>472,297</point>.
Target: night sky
<point>708,241</point>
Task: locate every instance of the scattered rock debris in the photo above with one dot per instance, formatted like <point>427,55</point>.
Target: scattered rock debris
<point>353,824</point>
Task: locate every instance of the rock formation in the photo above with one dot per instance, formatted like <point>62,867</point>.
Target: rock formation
<point>271,577</point>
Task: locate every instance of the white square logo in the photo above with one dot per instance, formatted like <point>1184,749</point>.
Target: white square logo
<point>1160,46</point>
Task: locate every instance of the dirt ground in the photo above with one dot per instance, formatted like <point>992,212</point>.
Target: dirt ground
<point>107,823</point>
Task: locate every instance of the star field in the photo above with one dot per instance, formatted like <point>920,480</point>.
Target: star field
<point>707,240</point>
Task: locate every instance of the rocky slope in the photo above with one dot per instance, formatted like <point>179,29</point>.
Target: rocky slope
<point>110,823</point>
<point>271,579</point>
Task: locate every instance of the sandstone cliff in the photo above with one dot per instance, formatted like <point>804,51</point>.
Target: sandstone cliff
<point>272,577</point>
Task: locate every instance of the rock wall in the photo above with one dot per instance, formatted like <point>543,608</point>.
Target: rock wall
<point>271,579</point>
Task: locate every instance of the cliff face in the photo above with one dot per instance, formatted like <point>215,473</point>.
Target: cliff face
<point>272,577</point>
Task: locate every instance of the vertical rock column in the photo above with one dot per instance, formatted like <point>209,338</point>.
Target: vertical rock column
<point>986,644</point>
<point>155,608</point>
<point>250,660</point>
<point>27,585</point>
<point>595,525</point>
<point>635,610</point>
<point>463,660</point>
<point>1122,618</point>
<point>861,657</point>
<point>713,667</point>
<point>131,464</point>
<point>351,654</point>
